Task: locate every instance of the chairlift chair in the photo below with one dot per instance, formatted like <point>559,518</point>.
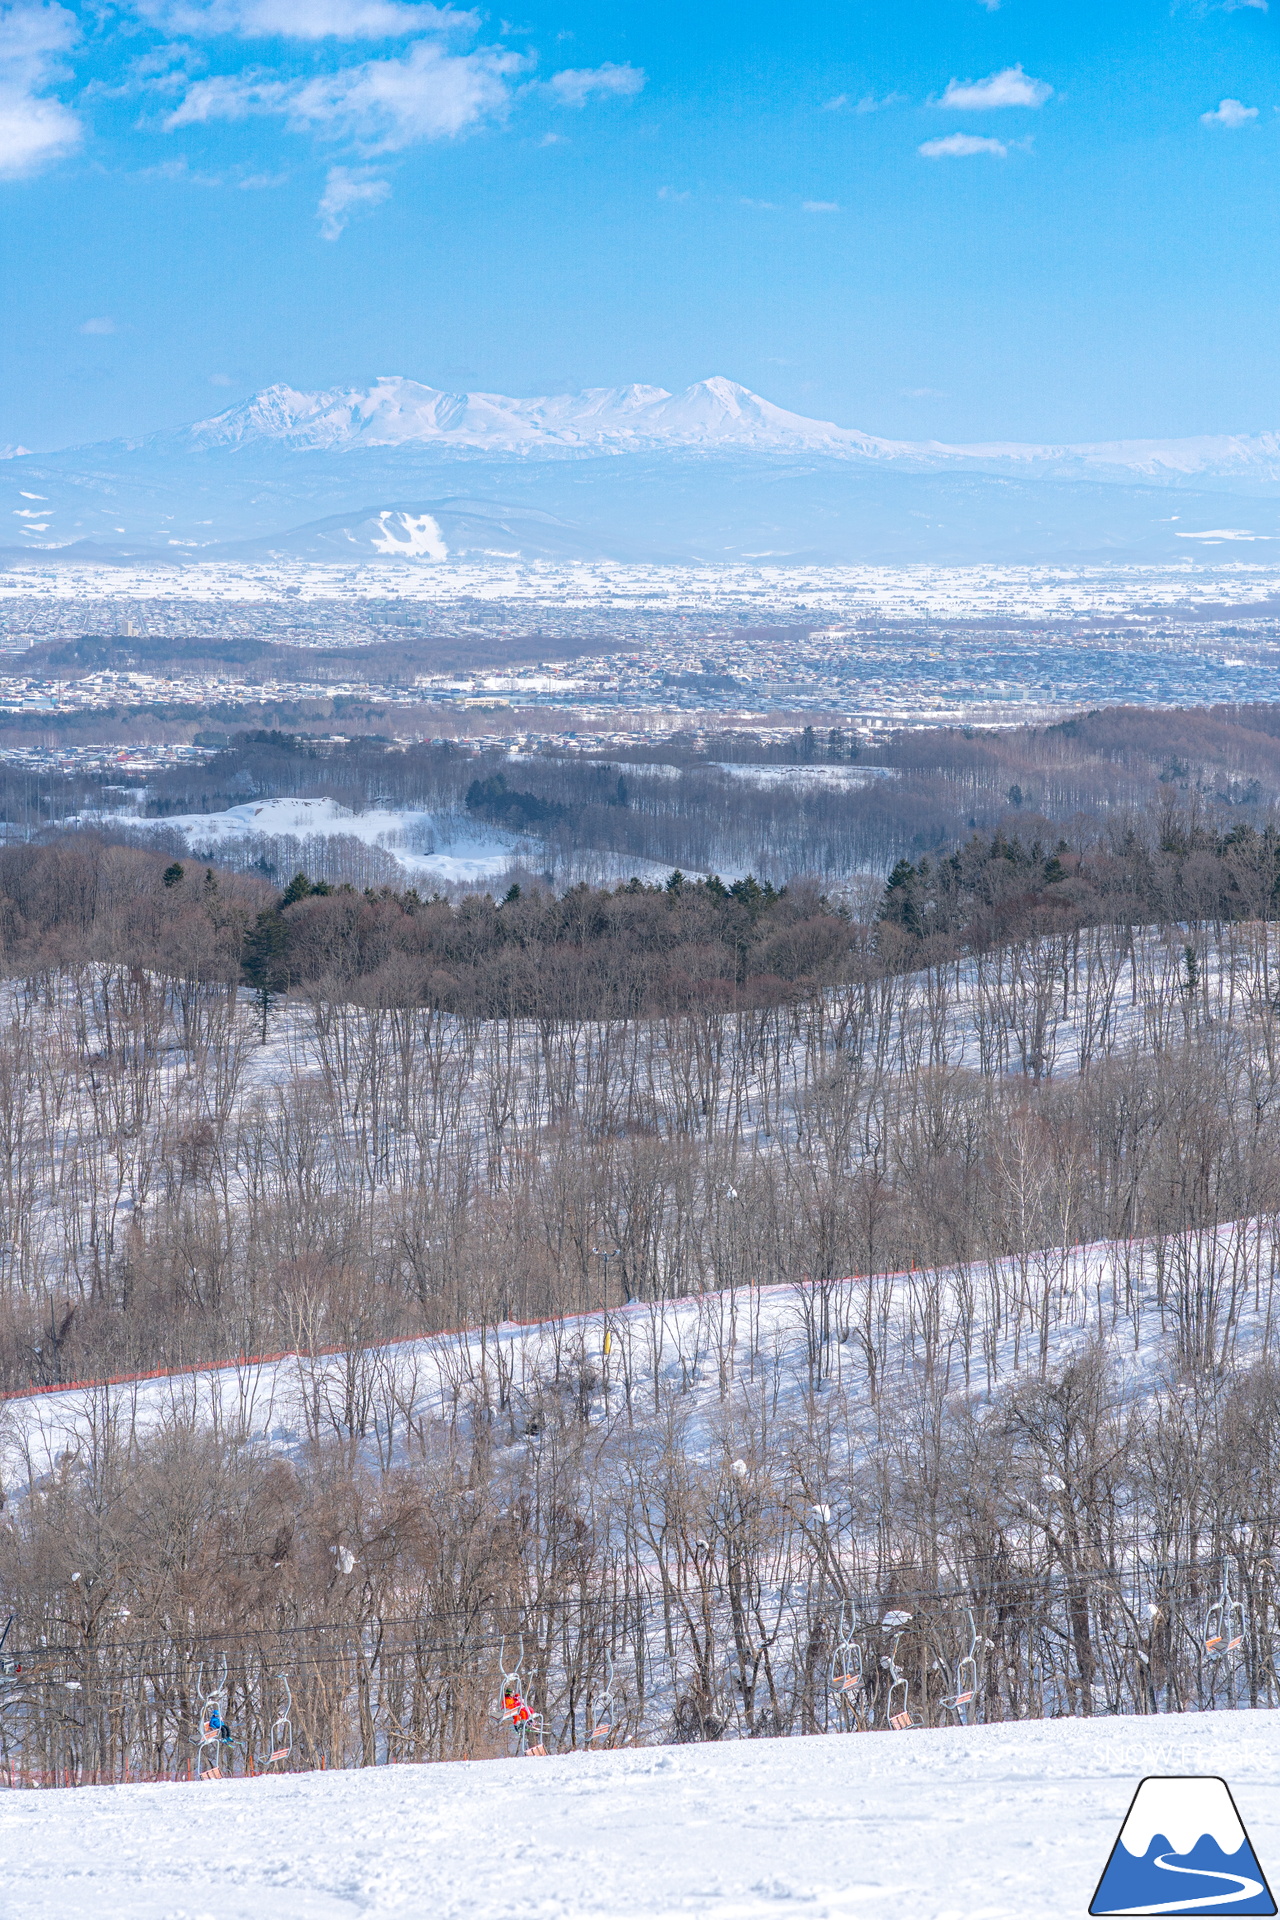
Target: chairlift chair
<point>1224,1626</point>
<point>966,1675</point>
<point>514,1708</point>
<point>282,1729</point>
<point>602,1716</point>
<point>848,1670</point>
<point>901,1717</point>
<point>213,1735</point>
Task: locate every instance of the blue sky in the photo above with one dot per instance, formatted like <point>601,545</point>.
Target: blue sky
<point>947,218</point>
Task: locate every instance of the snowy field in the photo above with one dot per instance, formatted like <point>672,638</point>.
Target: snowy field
<point>844,593</point>
<point>981,1823</point>
<point>406,847</point>
<point>425,845</point>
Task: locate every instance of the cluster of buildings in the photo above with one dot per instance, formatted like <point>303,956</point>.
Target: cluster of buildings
<point>621,653</point>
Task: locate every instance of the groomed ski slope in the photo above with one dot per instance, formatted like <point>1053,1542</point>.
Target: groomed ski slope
<point>981,1823</point>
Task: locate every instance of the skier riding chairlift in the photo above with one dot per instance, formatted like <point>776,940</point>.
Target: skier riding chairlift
<point>516,1710</point>
<point>1224,1625</point>
<point>214,1748</point>
<point>282,1728</point>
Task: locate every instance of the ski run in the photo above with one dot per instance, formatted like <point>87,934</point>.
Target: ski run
<point>1010,1822</point>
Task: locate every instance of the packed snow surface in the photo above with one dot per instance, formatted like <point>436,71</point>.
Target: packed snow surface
<point>981,1823</point>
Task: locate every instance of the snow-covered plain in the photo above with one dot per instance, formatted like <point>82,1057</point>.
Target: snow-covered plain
<point>771,590</point>
<point>981,1823</point>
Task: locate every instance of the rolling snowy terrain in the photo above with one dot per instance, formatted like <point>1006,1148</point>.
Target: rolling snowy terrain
<point>976,1823</point>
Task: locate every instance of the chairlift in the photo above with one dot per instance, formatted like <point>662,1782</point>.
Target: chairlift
<point>1224,1626</point>
<point>282,1728</point>
<point>848,1671</point>
<point>901,1717</point>
<point>602,1715</point>
<point>966,1674</point>
<point>515,1709</point>
<point>214,1733</point>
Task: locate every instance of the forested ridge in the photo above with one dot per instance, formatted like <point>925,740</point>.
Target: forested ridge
<point>635,948</point>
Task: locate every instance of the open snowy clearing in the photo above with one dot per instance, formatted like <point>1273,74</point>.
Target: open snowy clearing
<point>426,845</point>
<point>986,1822</point>
<point>418,847</point>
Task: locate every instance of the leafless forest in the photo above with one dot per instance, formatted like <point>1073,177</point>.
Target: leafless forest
<point>826,1420</point>
<point>686,801</point>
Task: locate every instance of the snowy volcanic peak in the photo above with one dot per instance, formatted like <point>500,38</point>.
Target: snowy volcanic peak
<point>714,415</point>
<point>719,411</point>
<point>396,412</point>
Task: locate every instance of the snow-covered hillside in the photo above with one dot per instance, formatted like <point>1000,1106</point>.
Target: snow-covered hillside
<point>1006,1823</point>
<point>715,1349</point>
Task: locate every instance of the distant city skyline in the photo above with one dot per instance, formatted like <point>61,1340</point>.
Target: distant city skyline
<point>948,220</point>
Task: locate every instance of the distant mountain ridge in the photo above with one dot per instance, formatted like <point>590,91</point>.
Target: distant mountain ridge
<point>713,474</point>
<point>714,415</point>
<point>395,412</point>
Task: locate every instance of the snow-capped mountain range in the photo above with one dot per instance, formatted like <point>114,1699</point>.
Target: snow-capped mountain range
<point>715,415</point>
<point>713,473</point>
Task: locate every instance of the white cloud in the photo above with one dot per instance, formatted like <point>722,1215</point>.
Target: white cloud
<point>221,380</point>
<point>923,393</point>
<point>1011,87</point>
<point>101,325</point>
<point>347,191</point>
<point>380,105</point>
<point>673,193</point>
<point>306,19</point>
<point>576,85</point>
<point>821,206</point>
<point>959,146</point>
<point>1229,113</point>
<point>1235,6</point>
<point>869,103</point>
<point>34,128</point>
<point>834,106</point>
